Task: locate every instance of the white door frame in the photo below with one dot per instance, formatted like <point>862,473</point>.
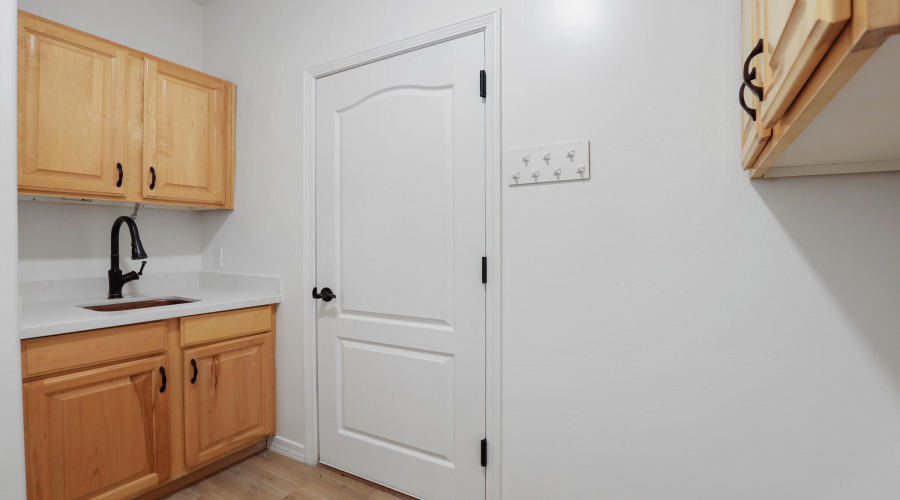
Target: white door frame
<point>490,25</point>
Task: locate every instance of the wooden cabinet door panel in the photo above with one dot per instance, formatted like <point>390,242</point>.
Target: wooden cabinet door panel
<point>753,135</point>
<point>231,402</point>
<point>71,103</point>
<point>99,434</point>
<point>185,129</point>
<point>798,34</point>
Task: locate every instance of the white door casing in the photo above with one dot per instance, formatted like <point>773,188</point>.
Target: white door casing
<point>400,233</point>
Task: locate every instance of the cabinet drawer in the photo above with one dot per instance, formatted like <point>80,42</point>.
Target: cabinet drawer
<point>225,325</point>
<point>78,350</point>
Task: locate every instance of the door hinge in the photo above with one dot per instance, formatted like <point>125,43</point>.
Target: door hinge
<point>483,77</point>
<point>484,269</point>
<point>484,452</point>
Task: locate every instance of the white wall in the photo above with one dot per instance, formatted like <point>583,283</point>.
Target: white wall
<point>58,241</point>
<point>12,460</point>
<point>671,330</point>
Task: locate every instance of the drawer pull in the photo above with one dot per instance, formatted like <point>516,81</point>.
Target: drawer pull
<point>153,174</point>
<point>162,371</point>
<point>119,183</point>
<point>194,364</point>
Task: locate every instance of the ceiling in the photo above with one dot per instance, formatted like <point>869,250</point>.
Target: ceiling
<point>202,2</point>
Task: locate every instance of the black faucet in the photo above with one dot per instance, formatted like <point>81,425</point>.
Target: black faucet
<point>116,279</point>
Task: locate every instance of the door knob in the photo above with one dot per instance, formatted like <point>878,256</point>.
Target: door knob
<point>327,295</point>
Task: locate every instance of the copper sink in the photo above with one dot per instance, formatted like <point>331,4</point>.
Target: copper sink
<point>138,304</point>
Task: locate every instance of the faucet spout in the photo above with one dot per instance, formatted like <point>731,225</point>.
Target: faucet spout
<point>116,279</point>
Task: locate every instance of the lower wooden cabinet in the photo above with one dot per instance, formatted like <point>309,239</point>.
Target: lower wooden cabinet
<point>101,433</point>
<point>229,389</point>
<point>100,427</point>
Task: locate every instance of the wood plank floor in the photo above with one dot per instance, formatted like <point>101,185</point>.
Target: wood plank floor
<point>270,476</point>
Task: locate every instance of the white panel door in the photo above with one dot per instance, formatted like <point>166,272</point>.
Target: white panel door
<point>400,221</point>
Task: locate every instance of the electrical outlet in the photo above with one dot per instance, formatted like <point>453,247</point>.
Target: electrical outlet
<point>218,261</point>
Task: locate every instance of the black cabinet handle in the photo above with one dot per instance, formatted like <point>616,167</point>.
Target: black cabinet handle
<point>749,75</point>
<point>162,371</point>
<point>119,183</point>
<point>750,111</point>
<point>194,364</point>
<point>327,295</point>
<point>153,175</point>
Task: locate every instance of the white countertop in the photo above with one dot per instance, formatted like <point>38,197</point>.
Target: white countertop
<point>52,307</point>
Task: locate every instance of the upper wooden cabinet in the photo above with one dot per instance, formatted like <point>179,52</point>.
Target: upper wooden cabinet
<point>101,121</point>
<point>186,125</point>
<point>71,111</point>
<point>807,51</point>
<point>797,34</point>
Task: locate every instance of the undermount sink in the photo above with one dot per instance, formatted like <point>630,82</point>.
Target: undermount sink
<point>137,304</point>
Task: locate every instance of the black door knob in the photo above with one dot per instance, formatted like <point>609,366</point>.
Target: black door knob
<point>327,295</point>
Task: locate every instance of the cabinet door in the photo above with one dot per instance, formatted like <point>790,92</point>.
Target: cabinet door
<point>229,397</point>
<point>185,129</point>
<point>71,103</point>
<point>753,135</point>
<point>97,434</point>
<point>798,34</point>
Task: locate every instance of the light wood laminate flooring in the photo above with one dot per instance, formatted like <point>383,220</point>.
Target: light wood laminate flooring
<point>270,476</point>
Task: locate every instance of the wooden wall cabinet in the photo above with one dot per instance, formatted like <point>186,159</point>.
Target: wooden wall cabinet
<point>71,111</point>
<point>797,34</point>
<point>100,121</point>
<point>118,413</point>
<point>810,49</point>
<point>186,122</point>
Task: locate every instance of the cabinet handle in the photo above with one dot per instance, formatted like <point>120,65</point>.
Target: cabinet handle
<point>194,364</point>
<point>119,183</point>
<point>749,75</point>
<point>750,111</point>
<point>153,175</point>
<point>162,371</point>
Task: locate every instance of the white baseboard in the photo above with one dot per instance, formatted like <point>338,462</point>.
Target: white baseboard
<point>288,448</point>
